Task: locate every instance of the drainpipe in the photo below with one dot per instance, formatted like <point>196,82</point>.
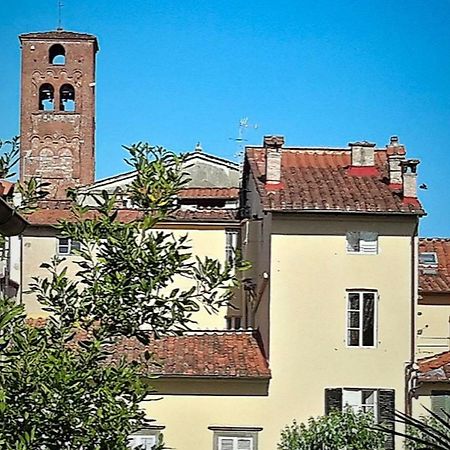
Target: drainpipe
<point>409,369</point>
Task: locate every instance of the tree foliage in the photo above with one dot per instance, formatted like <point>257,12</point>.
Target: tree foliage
<point>337,430</point>
<point>60,386</point>
<point>431,432</point>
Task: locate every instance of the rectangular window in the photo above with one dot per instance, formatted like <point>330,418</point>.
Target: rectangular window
<point>365,400</point>
<point>361,316</point>
<point>380,402</point>
<point>235,438</point>
<point>428,259</point>
<point>440,403</point>
<point>231,240</point>
<point>66,246</point>
<point>235,443</point>
<point>364,242</point>
<point>145,439</point>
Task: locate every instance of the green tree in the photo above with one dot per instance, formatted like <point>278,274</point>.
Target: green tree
<point>60,387</point>
<point>430,432</point>
<point>337,430</point>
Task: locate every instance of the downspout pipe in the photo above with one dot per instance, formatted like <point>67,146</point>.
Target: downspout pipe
<point>409,369</point>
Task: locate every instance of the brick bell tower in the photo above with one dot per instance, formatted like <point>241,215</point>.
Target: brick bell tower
<point>57,119</point>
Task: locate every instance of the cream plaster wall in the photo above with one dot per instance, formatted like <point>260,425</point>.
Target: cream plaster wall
<point>41,245</point>
<point>433,329</point>
<point>310,272</point>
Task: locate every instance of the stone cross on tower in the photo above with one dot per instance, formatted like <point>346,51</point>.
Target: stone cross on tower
<point>57,119</point>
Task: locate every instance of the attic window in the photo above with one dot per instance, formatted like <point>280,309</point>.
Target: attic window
<point>428,259</point>
<point>365,242</point>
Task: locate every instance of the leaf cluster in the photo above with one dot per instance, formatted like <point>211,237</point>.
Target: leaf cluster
<point>337,430</point>
<point>62,386</point>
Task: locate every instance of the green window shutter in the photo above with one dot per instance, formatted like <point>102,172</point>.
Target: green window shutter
<point>386,414</point>
<point>440,402</point>
<point>333,400</point>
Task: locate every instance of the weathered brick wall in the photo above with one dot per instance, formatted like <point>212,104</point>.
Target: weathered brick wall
<point>58,146</point>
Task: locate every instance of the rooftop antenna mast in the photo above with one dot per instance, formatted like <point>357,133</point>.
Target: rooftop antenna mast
<point>60,7</point>
<point>243,126</point>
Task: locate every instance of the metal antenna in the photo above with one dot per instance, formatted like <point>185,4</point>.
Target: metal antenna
<point>60,7</point>
<point>243,126</point>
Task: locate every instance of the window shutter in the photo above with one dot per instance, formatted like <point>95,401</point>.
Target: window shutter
<point>440,401</point>
<point>333,400</point>
<point>244,444</point>
<point>386,410</point>
<point>369,242</point>
<point>225,443</point>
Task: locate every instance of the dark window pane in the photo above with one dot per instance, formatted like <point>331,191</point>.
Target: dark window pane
<point>368,332</point>
<point>353,338</point>
<point>353,319</point>
<point>353,300</point>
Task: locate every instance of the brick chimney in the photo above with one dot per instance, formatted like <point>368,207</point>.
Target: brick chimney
<point>396,154</point>
<point>272,146</point>
<point>363,159</point>
<point>409,174</point>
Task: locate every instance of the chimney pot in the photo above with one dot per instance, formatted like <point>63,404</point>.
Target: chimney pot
<point>272,145</point>
<point>393,141</point>
<point>409,175</point>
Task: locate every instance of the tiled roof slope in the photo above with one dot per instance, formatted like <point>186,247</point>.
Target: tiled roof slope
<point>435,368</point>
<point>208,192</point>
<point>214,354</point>
<point>219,215</point>
<point>439,282</point>
<point>319,180</point>
<point>223,354</point>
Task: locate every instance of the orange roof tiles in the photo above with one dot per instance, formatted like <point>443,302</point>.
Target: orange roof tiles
<point>53,216</point>
<point>438,283</point>
<point>225,354</point>
<point>435,368</point>
<point>319,180</point>
<point>209,192</point>
<point>6,188</point>
<point>214,354</point>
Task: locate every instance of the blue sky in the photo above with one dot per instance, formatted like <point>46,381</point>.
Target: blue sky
<point>320,72</point>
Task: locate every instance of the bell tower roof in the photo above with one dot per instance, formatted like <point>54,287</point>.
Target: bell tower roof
<point>59,35</point>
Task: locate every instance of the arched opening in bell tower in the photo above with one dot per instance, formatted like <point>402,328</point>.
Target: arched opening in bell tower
<point>67,98</point>
<point>57,55</point>
<point>46,97</point>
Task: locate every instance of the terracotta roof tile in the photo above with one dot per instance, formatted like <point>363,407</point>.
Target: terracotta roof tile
<point>438,282</point>
<point>208,192</point>
<point>319,180</point>
<point>435,368</point>
<point>6,188</point>
<point>53,216</point>
<point>224,354</point>
<point>215,354</point>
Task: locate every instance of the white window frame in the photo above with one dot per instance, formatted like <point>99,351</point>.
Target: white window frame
<point>136,438</point>
<point>70,246</point>
<point>361,293</point>
<point>235,434</point>
<point>361,406</point>
<point>365,247</point>
<point>231,244</point>
<point>428,264</point>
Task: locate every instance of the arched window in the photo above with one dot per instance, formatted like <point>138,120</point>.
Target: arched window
<point>46,97</point>
<point>57,55</point>
<point>67,98</point>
